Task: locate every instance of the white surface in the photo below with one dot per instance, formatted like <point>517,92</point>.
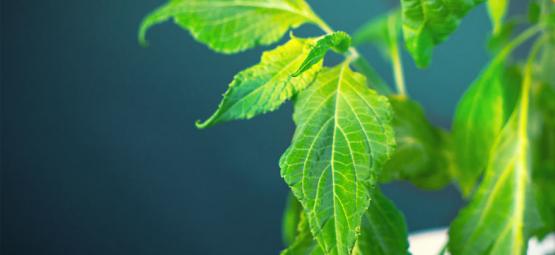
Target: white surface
<point>431,242</point>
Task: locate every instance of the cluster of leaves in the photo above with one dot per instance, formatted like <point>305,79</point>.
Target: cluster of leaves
<point>353,132</point>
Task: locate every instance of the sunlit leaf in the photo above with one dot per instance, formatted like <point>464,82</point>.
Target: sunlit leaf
<point>232,26</point>
<point>342,140</point>
<point>264,87</point>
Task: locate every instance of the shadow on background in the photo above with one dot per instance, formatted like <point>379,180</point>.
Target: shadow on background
<point>100,154</point>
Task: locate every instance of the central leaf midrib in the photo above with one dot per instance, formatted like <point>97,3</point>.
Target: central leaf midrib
<point>335,130</point>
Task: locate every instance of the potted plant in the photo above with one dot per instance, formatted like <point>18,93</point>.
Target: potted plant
<point>354,132</point>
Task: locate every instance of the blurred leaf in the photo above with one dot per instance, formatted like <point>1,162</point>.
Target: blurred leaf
<point>500,39</point>
<point>381,32</point>
<point>338,41</point>
<point>232,26</point>
<point>375,81</point>
<point>497,10</point>
<point>383,230</point>
<point>343,138</point>
<point>427,23</point>
<point>264,87</point>
<point>502,214</point>
<point>547,74</point>
<point>290,219</point>
<point>304,243</point>
<point>543,156</point>
<point>480,116</point>
<point>534,11</point>
<point>422,156</point>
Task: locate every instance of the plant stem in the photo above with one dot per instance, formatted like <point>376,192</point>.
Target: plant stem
<point>396,61</point>
<point>398,72</point>
<point>521,38</point>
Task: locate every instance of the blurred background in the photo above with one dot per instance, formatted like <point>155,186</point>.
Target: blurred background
<point>99,150</point>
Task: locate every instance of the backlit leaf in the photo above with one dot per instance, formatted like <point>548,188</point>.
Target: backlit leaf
<point>342,140</point>
<point>265,86</point>
<point>232,26</point>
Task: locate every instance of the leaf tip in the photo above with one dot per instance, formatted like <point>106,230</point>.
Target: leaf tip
<point>422,63</point>
<point>141,35</point>
<point>202,125</point>
<point>142,41</point>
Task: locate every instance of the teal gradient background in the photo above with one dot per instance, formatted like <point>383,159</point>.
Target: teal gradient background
<point>99,150</point>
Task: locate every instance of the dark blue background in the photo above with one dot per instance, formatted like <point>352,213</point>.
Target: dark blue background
<point>100,154</point>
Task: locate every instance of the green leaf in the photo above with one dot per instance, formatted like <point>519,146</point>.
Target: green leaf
<point>304,243</point>
<point>291,219</point>
<point>543,148</point>
<point>500,39</point>
<point>232,26</point>
<point>383,231</point>
<point>264,87</point>
<point>480,116</point>
<point>338,41</point>
<point>342,140</point>
<point>548,61</point>
<point>542,11</point>
<point>375,81</point>
<point>427,23</point>
<point>422,156</point>
<point>497,10</point>
<point>382,32</point>
<point>502,214</point>
<point>534,11</point>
